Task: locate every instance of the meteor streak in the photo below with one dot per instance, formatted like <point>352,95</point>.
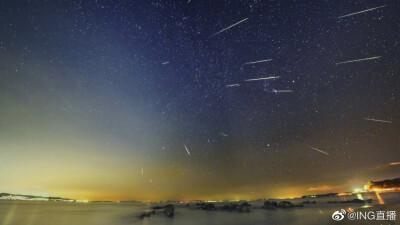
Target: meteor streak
<point>282,91</point>
<point>229,27</point>
<point>259,61</point>
<point>358,60</point>
<point>264,78</point>
<point>375,120</point>
<point>187,150</point>
<point>164,63</point>
<point>142,171</point>
<point>233,85</point>
<point>318,150</point>
<point>367,10</point>
<point>223,134</point>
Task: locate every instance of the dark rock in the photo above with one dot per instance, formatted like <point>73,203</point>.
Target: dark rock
<point>229,207</point>
<point>162,207</point>
<point>235,207</point>
<point>285,205</point>
<point>207,206</point>
<point>168,213</point>
<point>224,207</point>
<point>143,215</point>
<point>245,204</point>
<point>169,210</point>
<point>232,207</point>
<point>270,205</point>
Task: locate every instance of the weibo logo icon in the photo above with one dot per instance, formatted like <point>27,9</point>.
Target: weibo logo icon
<point>338,216</point>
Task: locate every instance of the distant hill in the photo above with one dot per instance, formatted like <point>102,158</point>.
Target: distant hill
<point>8,196</point>
<point>320,195</point>
<point>384,184</point>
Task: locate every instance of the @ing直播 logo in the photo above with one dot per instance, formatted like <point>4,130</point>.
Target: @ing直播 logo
<point>339,215</point>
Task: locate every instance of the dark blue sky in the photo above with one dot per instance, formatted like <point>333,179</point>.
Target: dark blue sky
<point>132,82</point>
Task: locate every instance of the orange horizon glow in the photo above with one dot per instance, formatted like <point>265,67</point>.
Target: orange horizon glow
<point>117,197</point>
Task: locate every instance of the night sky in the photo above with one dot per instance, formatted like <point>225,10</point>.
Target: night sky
<point>98,99</point>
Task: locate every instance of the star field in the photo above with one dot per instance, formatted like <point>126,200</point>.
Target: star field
<point>128,92</point>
